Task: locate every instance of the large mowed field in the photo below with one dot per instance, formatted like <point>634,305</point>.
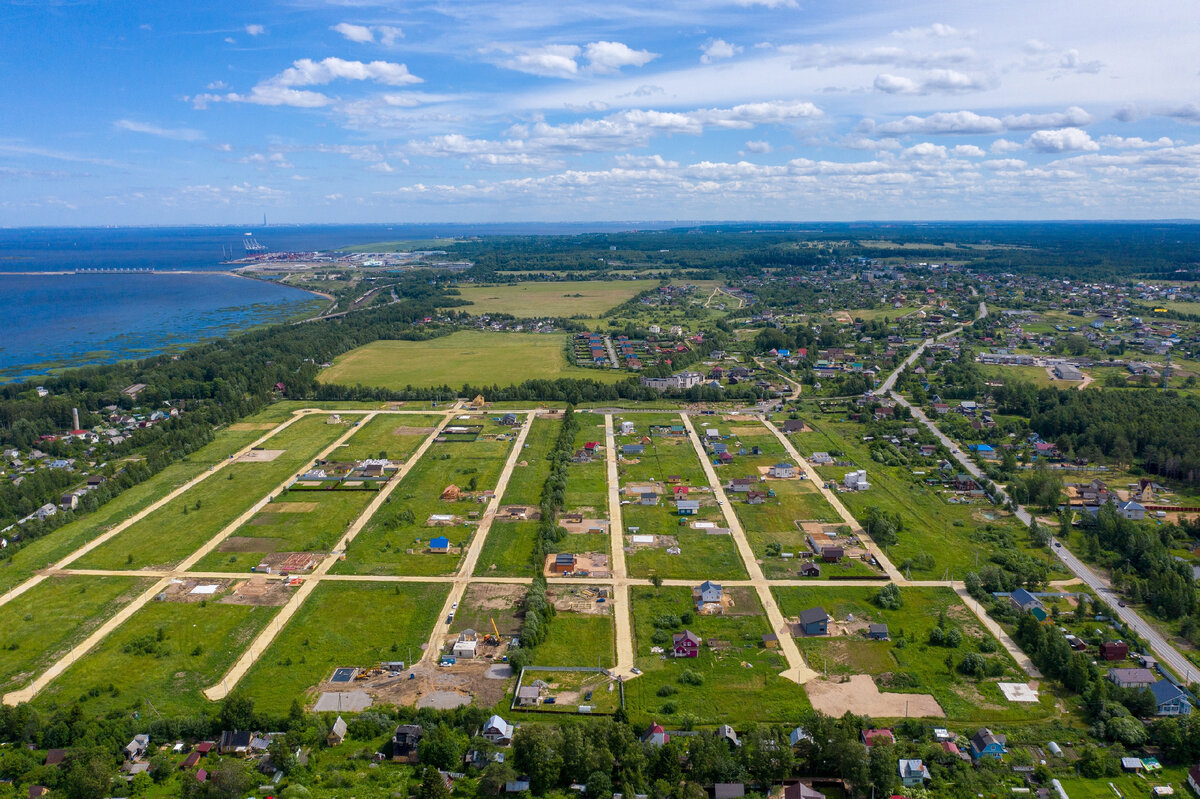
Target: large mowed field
<point>465,357</point>
<point>576,298</point>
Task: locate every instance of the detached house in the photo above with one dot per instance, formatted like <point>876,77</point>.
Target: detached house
<point>912,773</point>
<point>1026,602</point>
<point>814,621</point>
<point>1169,699</point>
<point>709,597</point>
<point>783,470</point>
<point>498,731</point>
<point>685,644</point>
<point>1132,678</point>
<point>985,743</point>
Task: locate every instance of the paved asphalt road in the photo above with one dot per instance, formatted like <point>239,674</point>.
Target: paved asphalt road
<point>1166,653</point>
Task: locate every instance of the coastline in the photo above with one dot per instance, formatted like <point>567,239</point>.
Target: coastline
<point>58,325</point>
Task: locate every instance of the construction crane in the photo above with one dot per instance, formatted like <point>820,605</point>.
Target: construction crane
<point>493,639</point>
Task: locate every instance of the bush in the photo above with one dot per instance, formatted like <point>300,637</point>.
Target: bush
<point>667,690</point>
<point>888,597</point>
<point>987,644</point>
<point>689,677</point>
<point>669,708</point>
<point>973,664</point>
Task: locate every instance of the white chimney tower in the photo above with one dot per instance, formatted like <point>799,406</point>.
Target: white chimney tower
<point>75,418</point>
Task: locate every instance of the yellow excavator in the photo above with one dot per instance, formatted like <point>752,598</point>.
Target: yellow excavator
<point>495,638</point>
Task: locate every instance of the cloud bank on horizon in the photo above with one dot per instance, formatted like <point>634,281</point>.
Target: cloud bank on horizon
<point>560,110</point>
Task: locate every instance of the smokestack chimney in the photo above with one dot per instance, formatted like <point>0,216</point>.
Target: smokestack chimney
<point>75,418</point>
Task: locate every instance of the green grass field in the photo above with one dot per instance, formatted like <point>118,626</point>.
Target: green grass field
<point>61,542</point>
<point>46,621</point>
<point>739,684</point>
<point>914,666</point>
<point>163,656</point>
<point>1129,785</point>
<point>384,622</point>
<point>957,540</point>
<point>390,436</point>
<point>1026,374</point>
<point>464,357</point>
<point>588,298</point>
<point>297,521</point>
<point>587,483</point>
<point>169,534</point>
<point>577,639</point>
<point>400,523</point>
<point>525,485</point>
<point>509,548</point>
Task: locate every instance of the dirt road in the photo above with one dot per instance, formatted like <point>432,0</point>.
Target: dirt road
<point>833,500</point>
<point>620,576</point>
<point>797,670</point>
<point>434,646</point>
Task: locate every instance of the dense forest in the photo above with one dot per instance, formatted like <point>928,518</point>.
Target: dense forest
<point>1157,428</point>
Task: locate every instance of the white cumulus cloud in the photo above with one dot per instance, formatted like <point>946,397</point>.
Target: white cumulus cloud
<point>286,87</point>
<point>603,57</point>
<point>758,147</point>
<point>1062,140</point>
<point>716,49</point>
<point>355,33</point>
<point>365,34</point>
<point>255,30</point>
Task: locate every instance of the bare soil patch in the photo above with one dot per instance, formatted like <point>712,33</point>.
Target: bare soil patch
<point>580,599</point>
<point>261,455</point>
<point>585,525</point>
<point>294,507</point>
<point>466,682</point>
<point>237,543</point>
<point>260,592</point>
<point>747,431</point>
<point>412,431</point>
<point>594,564</point>
<point>859,695</point>
<point>493,596</point>
<point>181,590</point>
<point>251,426</point>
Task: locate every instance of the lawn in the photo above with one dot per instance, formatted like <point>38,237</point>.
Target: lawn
<point>1028,374</point>
<point>577,639</point>
<point>1129,785</point>
<point>396,538</point>
<point>392,436</point>
<point>525,485</point>
<point>585,298</point>
<point>464,357</point>
<point>911,664</point>
<point>701,556</point>
<point>160,660</point>
<point>297,521</point>
<point>46,621</point>
<point>587,483</point>
<point>509,548</point>
<point>740,684</point>
<point>55,545</point>
<point>169,534</point>
<point>359,624</point>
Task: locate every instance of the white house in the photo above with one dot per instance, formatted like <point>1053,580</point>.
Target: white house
<point>1131,510</point>
<point>856,480</point>
<point>498,731</point>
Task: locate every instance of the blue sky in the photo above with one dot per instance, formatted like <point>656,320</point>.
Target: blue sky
<point>513,110</point>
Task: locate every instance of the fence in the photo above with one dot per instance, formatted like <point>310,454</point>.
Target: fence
<point>514,707</point>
